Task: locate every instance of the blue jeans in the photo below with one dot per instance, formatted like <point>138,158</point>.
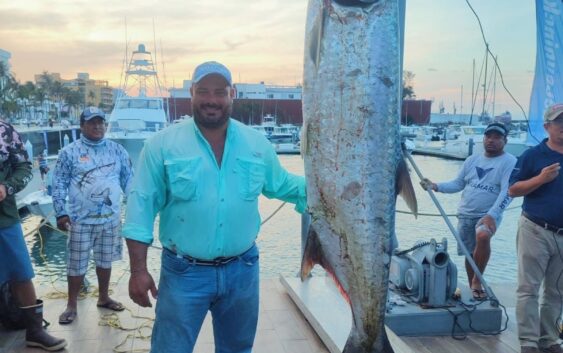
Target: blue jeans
<point>187,292</point>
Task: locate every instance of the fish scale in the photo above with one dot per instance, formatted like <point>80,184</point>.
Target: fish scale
<point>352,152</point>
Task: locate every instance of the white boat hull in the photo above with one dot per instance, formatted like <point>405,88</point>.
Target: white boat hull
<point>40,204</point>
<point>133,144</point>
<point>287,148</point>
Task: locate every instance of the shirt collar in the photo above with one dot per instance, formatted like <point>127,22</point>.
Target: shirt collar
<point>89,142</point>
<point>231,130</point>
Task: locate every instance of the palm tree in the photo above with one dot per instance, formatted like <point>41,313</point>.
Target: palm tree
<point>8,92</point>
<point>91,97</point>
<point>46,84</point>
<point>25,94</point>
<point>39,98</point>
<point>58,91</point>
<point>74,100</point>
<point>408,90</point>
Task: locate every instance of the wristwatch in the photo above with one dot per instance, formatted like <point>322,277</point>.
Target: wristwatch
<point>9,189</point>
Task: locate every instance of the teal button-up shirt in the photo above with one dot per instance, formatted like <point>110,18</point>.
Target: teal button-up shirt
<point>206,211</point>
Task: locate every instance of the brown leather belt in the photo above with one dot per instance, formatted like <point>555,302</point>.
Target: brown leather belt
<point>543,224</point>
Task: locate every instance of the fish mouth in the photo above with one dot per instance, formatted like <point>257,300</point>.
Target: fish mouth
<point>356,3</point>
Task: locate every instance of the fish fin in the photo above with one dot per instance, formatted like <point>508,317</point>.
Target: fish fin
<point>312,255</point>
<point>404,187</point>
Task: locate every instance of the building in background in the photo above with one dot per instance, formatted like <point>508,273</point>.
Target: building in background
<point>415,112</point>
<point>252,102</point>
<point>95,92</point>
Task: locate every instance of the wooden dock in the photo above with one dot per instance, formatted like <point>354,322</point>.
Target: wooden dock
<point>282,328</point>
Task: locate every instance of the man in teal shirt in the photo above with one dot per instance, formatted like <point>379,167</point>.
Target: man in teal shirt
<point>203,176</point>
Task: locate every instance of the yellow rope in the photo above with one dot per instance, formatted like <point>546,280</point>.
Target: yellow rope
<point>112,320</point>
<point>273,214</point>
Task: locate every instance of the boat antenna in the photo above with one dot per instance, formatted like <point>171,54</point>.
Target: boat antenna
<point>123,66</point>
<point>485,79</point>
<point>461,102</point>
<point>165,82</point>
<point>472,93</point>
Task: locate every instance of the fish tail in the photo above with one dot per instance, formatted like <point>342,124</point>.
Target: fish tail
<point>355,345</point>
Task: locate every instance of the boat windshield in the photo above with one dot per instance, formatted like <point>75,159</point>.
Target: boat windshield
<point>473,130</point>
<point>139,104</point>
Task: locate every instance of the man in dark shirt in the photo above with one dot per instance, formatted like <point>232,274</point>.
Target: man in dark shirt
<point>15,263</point>
<point>537,177</point>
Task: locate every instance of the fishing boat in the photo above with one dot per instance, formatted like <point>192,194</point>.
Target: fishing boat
<point>138,115</point>
<point>284,137</point>
<point>40,203</point>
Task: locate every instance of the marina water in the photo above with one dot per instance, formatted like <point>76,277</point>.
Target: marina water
<point>280,241</point>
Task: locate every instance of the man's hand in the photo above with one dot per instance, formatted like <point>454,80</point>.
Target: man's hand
<point>427,184</point>
<point>549,173</point>
<point>63,223</point>
<point>3,192</point>
<point>489,222</point>
<point>140,283</point>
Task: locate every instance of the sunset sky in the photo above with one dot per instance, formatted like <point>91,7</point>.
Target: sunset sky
<point>263,41</point>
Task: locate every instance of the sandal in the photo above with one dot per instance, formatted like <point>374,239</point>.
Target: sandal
<point>479,294</point>
<point>111,305</point>
<point>67,317</point>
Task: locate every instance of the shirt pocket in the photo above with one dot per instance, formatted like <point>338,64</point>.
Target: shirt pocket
<point>182,177</point>
<point>252,177</point>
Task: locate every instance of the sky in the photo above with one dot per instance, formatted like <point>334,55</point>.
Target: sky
<point>263,41</point>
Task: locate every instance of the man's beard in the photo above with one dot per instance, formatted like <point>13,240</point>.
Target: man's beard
<point>212,122</point>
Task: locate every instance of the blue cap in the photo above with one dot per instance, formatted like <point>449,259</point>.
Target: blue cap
<point>209,68</point>
<point>92,112</point>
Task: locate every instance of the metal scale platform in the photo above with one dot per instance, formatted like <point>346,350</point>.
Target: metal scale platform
<point>423,281</point>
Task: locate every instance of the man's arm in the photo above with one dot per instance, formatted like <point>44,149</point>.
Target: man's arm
<point>141,280</point>
<point>525,187</point>
<point>147,195</point>
<point>126,173</point>
<point>448,187</point>
<point>61,180</point>
<point>281,184</point>
<point>503,199</point>
<point>457,184</point>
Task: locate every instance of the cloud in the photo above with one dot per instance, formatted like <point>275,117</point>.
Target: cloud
<point>16,20</point>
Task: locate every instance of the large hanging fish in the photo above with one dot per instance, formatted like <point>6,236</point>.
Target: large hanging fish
<point>353,158</point>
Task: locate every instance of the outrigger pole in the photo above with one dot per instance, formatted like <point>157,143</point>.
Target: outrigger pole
<point>492,298</point>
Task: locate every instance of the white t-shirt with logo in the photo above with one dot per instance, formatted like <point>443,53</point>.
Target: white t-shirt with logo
<point>484,182</point>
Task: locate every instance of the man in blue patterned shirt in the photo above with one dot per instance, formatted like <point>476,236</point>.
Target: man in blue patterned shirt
<point>93,172</point>
<point>204,176</point>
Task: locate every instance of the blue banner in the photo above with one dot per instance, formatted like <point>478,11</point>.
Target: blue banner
<point>548,80</point>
